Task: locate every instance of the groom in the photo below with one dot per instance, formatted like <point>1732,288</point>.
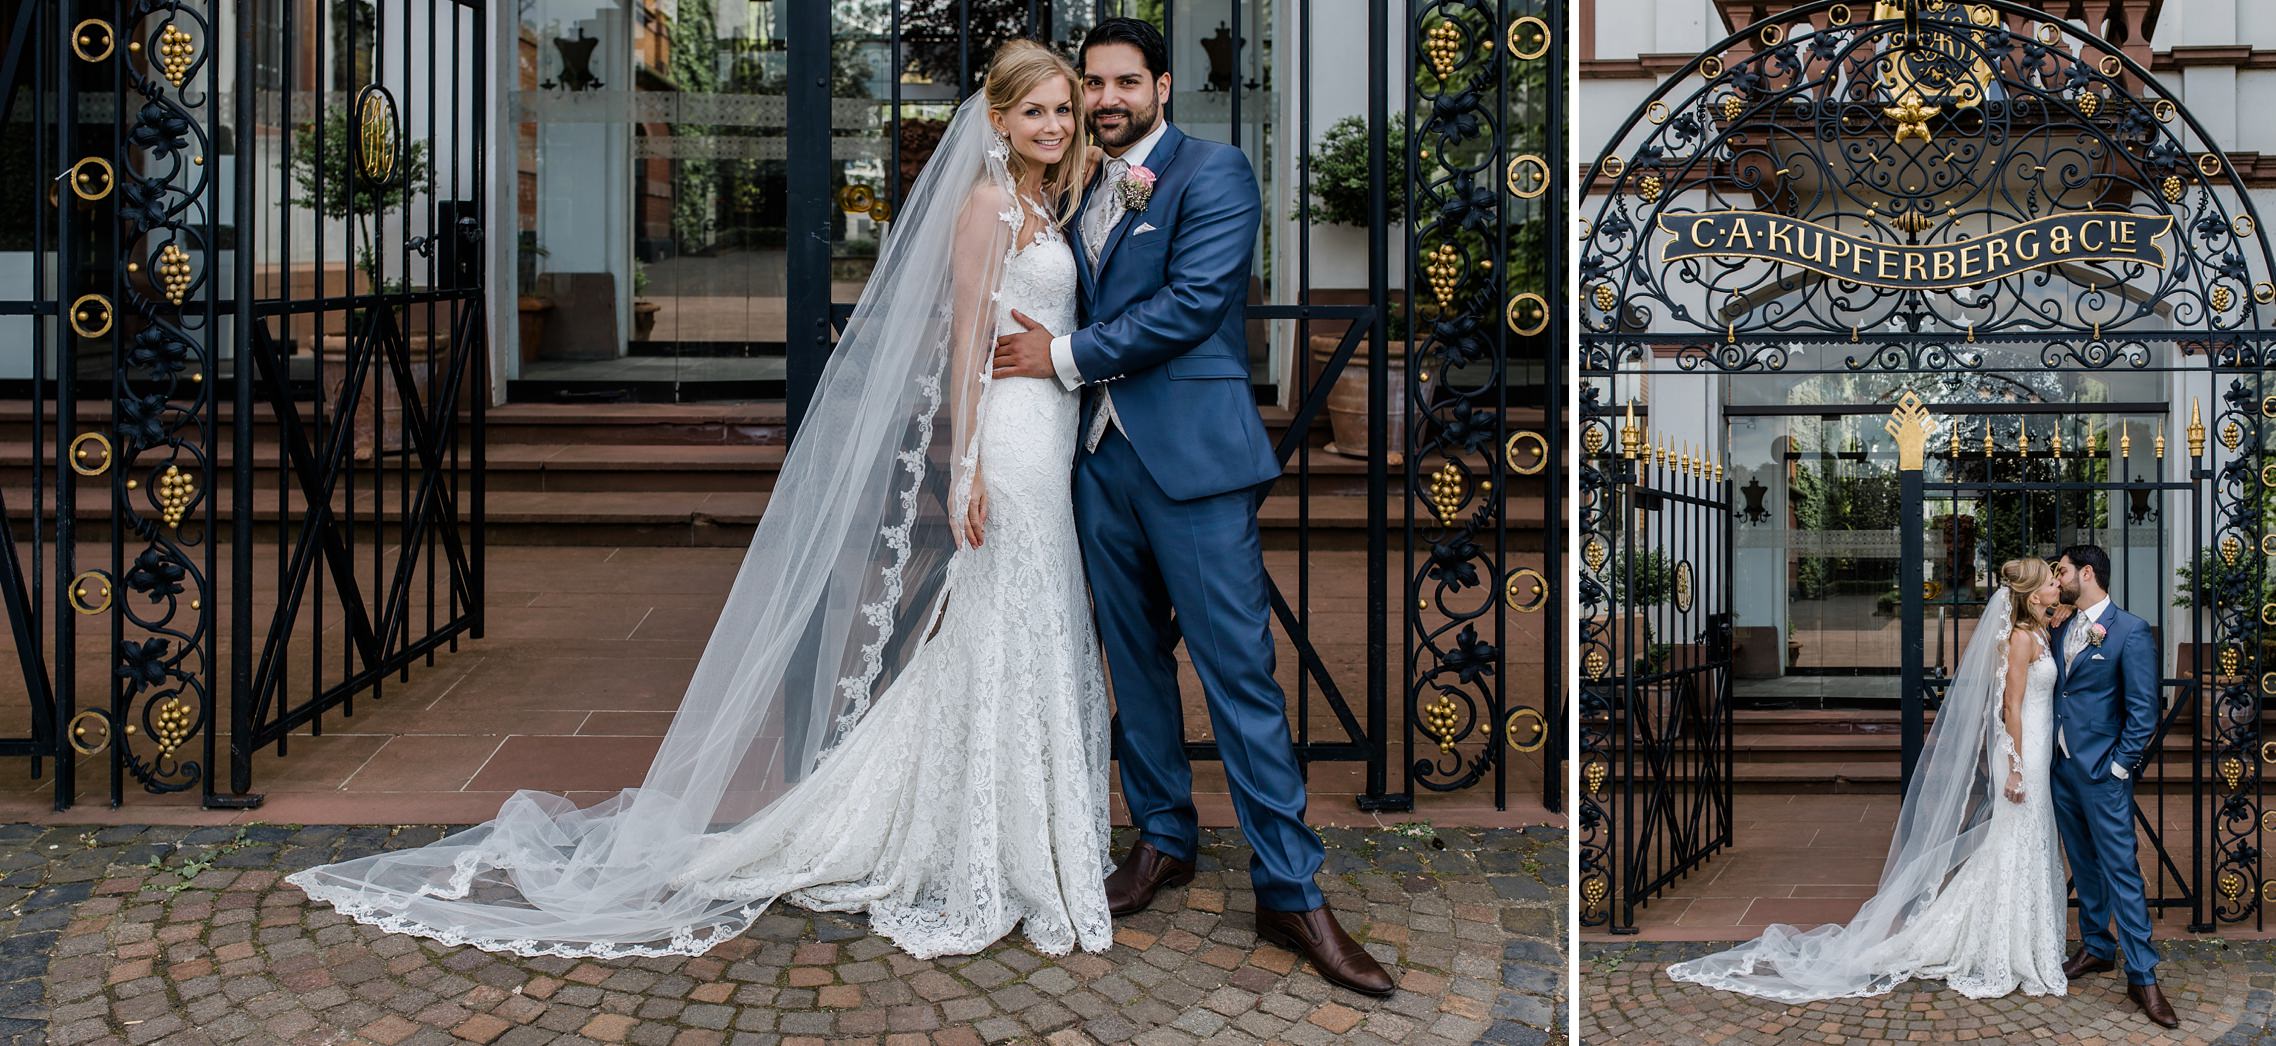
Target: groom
<point>1172,455</point>
<point>2106,710</point>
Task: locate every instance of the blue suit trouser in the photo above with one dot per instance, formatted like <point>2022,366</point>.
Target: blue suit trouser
<point>2096,820</point>
<point>1149,558</point>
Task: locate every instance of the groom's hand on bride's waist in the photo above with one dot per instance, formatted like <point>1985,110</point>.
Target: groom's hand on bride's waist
<point>1026,354</point>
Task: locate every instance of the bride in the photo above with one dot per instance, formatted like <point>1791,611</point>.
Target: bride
<point>1973,890</point>
<point>901,710</point>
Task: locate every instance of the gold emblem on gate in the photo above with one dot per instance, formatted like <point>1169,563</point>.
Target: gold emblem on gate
<point>1443,46</point>
<point>1541,38</point>
<point>1594,773</point>
<point>2231,548</point>
<point>1442,720</point>
<point>91,592</point>
<point>1912,118</point>
<point>2232,885</point>
<point>1683,586</point>
<point>1597,663</point>
<point>1593,892</point>
<point>1594,552</point>
<point>376,134</point>
<point>2232,771</point>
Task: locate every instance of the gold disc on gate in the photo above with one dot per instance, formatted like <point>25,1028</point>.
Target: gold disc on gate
<point>81,739</point>
<point>79,454</point>
<point>2109,65</point>
<point>93,39</point>
<point>1711,67</point>
<point>1520,51</point>
<point>95,184</point>
<point>1540,453</point>
<point>90,585</point>
<point>1540,730</point>
<point>1526,591</point>
<point>1540,308</point>
<point>91,316</point>
<point>1528,177</point>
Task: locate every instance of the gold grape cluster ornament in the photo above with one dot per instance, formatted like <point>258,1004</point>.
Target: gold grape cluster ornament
<point>175,490</point>
<point>1442,719</point>
<point>173,723</point>
<point>1443,46</point>
<point>174,273</point>
<point>175,51</point>
<point>1446,490</point>
<point>1444,271</point>
<point>2173,188</point>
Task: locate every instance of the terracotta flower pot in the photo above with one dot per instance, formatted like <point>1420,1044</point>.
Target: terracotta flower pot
<point>1347,402</point>
<point>532,311</point>
<point>379,407</point>
<point>644,319</point>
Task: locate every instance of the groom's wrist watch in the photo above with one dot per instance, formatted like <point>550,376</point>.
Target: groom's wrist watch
<point>2118,770</point>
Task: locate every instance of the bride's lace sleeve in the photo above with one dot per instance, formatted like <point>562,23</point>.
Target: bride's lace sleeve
<point>983,238</point>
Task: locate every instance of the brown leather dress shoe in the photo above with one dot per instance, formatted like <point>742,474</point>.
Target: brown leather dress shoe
<point>1317,936</point>
<point>2085,962</point>
<point>2153,1004</point>
<point>1142,875</point>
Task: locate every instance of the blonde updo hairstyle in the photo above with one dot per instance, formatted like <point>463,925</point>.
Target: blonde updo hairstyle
<point>2022,578</point>
<point>1018,68</point>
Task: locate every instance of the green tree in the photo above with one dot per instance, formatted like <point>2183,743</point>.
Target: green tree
<point>326,179</point>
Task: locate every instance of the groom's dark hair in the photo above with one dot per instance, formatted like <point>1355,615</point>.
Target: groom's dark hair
<point>2091,557</point>
<point>1136,33</point>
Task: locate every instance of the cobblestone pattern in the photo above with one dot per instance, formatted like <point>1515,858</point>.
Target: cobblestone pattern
<point>145,935</point>
<point>2222,991</point>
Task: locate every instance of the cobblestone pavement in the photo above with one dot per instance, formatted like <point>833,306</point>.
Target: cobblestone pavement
<point>2222,991</point>
<point>179,935</point>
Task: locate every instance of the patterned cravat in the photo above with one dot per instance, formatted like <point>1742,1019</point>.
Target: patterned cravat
<point>1098,224</point>
<point>2074,638</point>
<point>1105,209</point>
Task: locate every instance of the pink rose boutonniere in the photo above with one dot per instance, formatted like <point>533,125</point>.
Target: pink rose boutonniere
<point>2095,634</point>
<point>1137,187</point>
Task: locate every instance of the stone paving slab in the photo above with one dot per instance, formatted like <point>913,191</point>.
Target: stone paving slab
<point>139,935</point>
<point>2223,992</point>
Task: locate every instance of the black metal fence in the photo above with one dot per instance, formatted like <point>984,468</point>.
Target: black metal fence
<point>256,371</point>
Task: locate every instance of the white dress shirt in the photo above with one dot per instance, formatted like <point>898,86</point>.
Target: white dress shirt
<point>2075,645</point>
<point>1062,346</point>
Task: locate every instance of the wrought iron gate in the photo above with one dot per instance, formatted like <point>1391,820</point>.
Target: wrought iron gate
<point>1659,749</point>
<point>287,245</point>
<point>1988,206</point>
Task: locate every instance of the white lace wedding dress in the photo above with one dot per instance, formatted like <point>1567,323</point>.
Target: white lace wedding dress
<point>1998,924</point>
<point>973,797</point>
<point>1993,925</point>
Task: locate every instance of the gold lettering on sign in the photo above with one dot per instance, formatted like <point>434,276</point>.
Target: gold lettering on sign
<point>2075,237</point>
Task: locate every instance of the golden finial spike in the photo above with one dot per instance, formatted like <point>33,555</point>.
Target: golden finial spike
<point>1989,446</point>
<point>2196,428</point>
<point>2093,442</point>
<point>2160,444</point>
<point>2023,437</point>
<point>2126,440</point>
<point>2057,444</point>
<point>1631,437</point>
<point>1957,425</point>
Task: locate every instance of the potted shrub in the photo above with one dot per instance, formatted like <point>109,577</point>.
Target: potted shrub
<point>327,179</point>
<point>643,310</point>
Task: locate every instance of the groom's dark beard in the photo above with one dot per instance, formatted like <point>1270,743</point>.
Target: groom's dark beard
<point>1135,125</point>
<point>2070,594</point>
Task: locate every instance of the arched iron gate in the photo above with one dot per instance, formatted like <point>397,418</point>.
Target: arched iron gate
<point>1976,206</point>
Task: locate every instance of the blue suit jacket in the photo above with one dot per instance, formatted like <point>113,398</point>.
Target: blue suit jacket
<point>2106,704</point>
<point>1163,322</point>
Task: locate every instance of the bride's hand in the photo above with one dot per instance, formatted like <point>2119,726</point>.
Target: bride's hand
<point>2015,785</point>
<point>976,514</point>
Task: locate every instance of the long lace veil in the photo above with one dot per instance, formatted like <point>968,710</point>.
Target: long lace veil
<point>1946,814</point>
<point>841,584</point>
